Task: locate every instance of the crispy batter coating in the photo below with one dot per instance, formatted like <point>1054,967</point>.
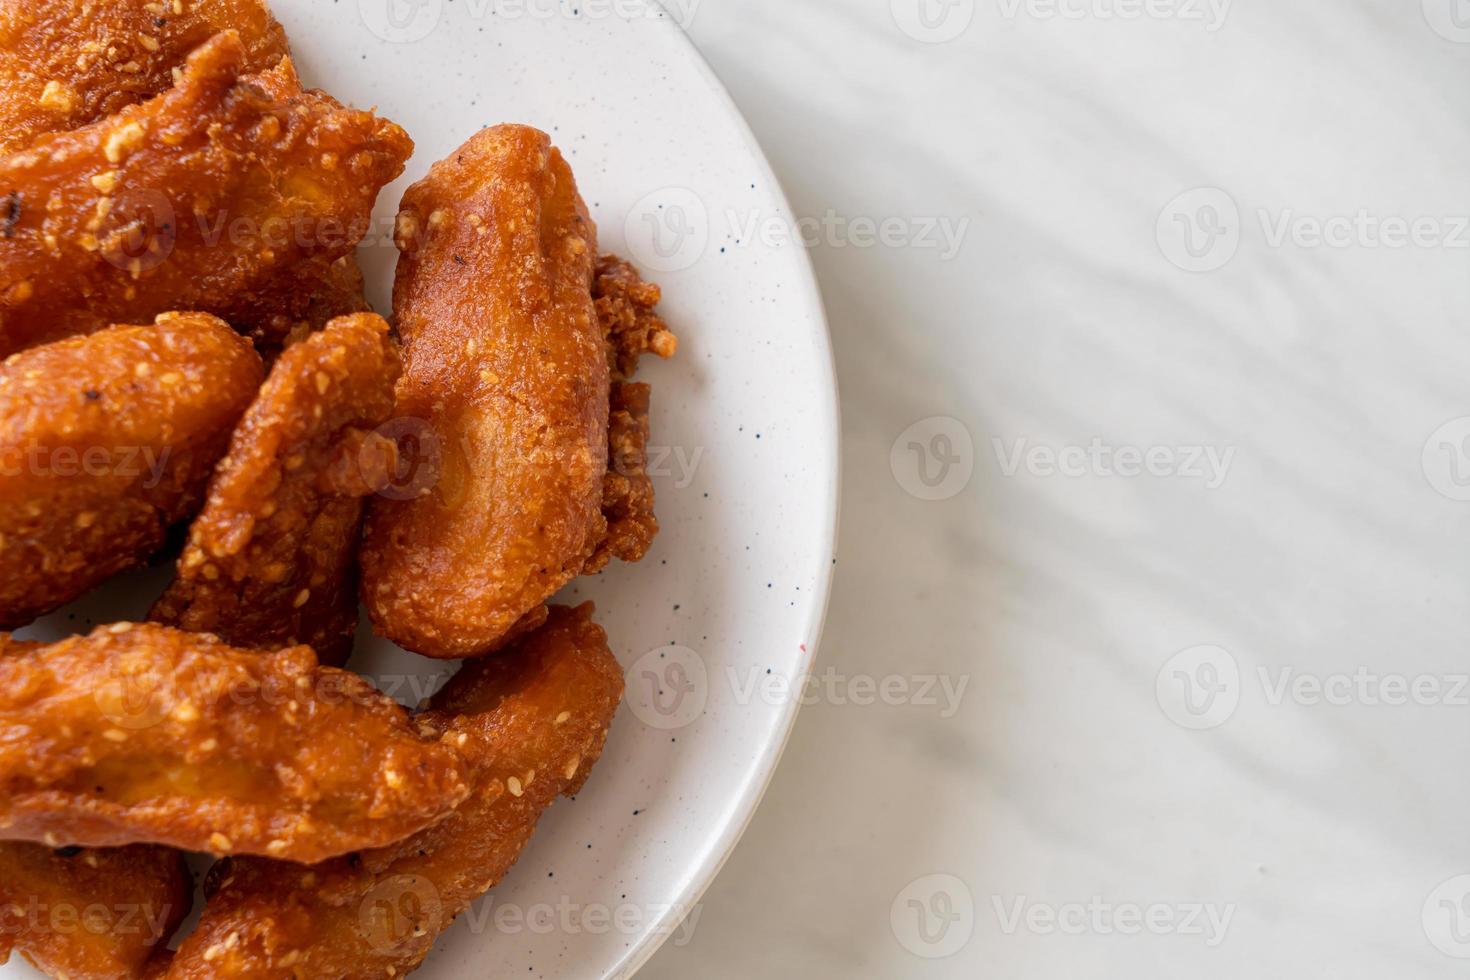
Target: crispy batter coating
<point>298,302</point>
<point>533,722</point>
<point>90,914</point>
<point>626,308</point>
<point>105,442</point>
<point>505,359</point>
<point>270,560</point>
<point>140,733</point>
<point>202,195</point>
<point>66,63</point>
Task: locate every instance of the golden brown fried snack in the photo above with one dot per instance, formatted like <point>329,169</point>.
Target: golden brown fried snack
<point>627,490</point>
<point>139,733</point>
<point>625,308</point>
<point>194,199</point>
<point>271,559</point>
<point>90,914</point>
<point>105,442</point>
<point>505,358</point>
<point>302,300</point>
<point>532,722</point>
<point>66,63</point>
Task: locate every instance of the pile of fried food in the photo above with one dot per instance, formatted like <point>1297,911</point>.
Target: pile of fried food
<point>188,346</point>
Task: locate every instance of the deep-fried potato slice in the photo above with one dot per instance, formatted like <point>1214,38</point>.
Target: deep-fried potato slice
<point>271,559</point>
<point>532,720</point>
<point>90,914</point>
<point>211,191</point>
<point>105,442</point>
<point>139,733</point>
<point>505,358</point>
<point>66,63</point>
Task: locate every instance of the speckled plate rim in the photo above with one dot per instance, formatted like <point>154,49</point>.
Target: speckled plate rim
<point>749,799</point>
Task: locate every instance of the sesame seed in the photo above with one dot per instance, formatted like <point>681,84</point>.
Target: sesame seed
<point>323,383</point>
<point>563,717</point>
<point>59,96</point>
<point>220,842</point>
<point>301,598</point>
<point>122,141</point>
<point>514,785</point>
<point>573,766</point>
<point>115,735</point>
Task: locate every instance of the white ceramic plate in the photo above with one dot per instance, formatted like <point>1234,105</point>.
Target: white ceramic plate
<point>729,605</point>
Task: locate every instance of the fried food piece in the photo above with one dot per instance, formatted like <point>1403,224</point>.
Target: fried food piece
<point>505,359</point>
<point>271,559</point>
<point>105,442</point>
<point>90,914</point>
<point>205,194</point>
<point>625,308</point>
<point>66,63</point>
<point>627,490</point>
<point>533,722</point>
<point>140,733</point>
<point>299,302</point>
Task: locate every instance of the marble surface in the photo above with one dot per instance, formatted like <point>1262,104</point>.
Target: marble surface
<point>1157,667</point>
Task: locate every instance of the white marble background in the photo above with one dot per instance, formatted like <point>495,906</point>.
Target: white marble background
<point>1107,799</point>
